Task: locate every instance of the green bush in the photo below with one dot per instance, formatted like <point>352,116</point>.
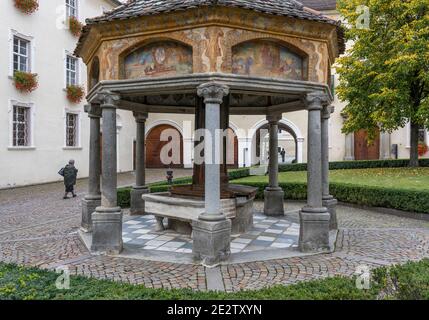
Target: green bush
<point>361,164</point>
<point>406,282</point>
<point>401,199</point>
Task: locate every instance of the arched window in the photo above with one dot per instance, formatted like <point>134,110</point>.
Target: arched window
<point>94,75</point>
<point>268,59</point>
<point>164,58</point>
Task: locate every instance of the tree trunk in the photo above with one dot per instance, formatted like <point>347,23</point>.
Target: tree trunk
<point>414,151</point>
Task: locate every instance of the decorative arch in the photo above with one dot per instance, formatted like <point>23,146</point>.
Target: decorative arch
<point>156,58</point>
<point>163,121</point>
<point>94,73</point>
<point>290,128</point>
<point>269,58</point>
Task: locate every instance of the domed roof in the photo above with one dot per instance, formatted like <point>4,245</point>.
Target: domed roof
<point>137,8</point>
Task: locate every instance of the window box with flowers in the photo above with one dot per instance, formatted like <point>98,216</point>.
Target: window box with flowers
<point>27,6</point>
<point>75,93</point>
<point>75,26</point>
<point>422,149</point>
<point>25,81</point>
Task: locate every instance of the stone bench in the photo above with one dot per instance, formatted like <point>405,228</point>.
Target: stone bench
<point>181,211</point>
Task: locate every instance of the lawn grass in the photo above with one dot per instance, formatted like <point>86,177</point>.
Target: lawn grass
<point>409,281</point>
<point>396,178</point>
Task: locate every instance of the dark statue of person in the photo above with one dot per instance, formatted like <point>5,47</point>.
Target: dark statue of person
<point>283,154</point>
<point>69,172</point>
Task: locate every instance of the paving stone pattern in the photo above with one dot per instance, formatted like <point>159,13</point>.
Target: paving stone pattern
<point>38,228</point>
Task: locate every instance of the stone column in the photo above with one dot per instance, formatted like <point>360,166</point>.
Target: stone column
<point>385,146</point>
<point>107,219</point>
<point>93,199</point>
<point>350,147</point>
<point>212,231</point>
<point>140,188</point>
<point>328,200</point>
<point>273,194</point>
<point>314,218</point>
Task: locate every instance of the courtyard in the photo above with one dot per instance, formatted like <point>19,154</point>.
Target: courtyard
<point>35,232</point>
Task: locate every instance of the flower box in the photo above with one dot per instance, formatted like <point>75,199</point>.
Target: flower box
<point>25,81</point>
<point>27,6</point>
<point>75,94</point>
<point>75,26</point>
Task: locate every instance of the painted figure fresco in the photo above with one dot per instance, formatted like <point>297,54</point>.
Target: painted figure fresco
<point>267,59</point>
<point>157,60</point>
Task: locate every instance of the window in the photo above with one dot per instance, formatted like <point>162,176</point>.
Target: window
<point>71,8</point>
<point>71,70</point>
<point>21,54</point>
<point>71,130</point>
<point>422,134</point>
<point>21,126</point>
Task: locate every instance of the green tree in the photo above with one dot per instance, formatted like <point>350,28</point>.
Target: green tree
<point>384,76</point>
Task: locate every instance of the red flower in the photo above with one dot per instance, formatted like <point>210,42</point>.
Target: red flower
<point>423,149</point>
<point>25,81</point>
<point>75,93</point>
<point>27,6</point>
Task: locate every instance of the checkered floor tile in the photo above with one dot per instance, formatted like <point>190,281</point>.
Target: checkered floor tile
<point>267,233</point>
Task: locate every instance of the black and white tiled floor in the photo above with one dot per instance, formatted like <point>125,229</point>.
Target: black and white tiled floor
<point>267,233</point>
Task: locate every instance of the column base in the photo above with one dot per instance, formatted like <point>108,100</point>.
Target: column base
<point>89,204</point>
<point>274,202</point>
<point>331,204</point>
<point>314,230</point>
<point>107,230</point>
<point>212,241</point>
<point>137,202</point>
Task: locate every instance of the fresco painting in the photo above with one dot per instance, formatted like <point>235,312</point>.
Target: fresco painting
<point>157,60</point>
<point>267,59</point>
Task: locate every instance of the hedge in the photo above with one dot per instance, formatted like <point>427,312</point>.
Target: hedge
<point>359,164</point>
<point>401,199</point>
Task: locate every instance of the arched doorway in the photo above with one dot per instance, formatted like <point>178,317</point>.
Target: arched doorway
<point>362,150</point>
<point>154,147</point>
<point>288,142</point>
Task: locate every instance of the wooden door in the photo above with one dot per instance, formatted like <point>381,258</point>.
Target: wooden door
<point>363,151</point>
<point>231,146</point>
<point>154,146</point>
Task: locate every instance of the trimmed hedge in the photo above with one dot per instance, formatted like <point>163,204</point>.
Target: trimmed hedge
<point>401,199</point>
<point>361,164</point>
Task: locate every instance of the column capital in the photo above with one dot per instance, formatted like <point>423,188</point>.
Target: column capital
<point>212,92</point>
<point>93,110</point>
<point>108,99</point>
<point>274,118</point>
<point>316,100</point>
<point>140,116</point>
<point>327,111</point>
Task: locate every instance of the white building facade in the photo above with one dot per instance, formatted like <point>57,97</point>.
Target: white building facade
<point>42,129</point>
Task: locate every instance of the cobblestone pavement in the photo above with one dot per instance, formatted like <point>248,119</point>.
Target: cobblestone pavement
<point>38,228</point>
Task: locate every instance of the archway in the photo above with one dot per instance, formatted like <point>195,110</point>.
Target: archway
<point>154,147</point>
<point>290,140</point>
